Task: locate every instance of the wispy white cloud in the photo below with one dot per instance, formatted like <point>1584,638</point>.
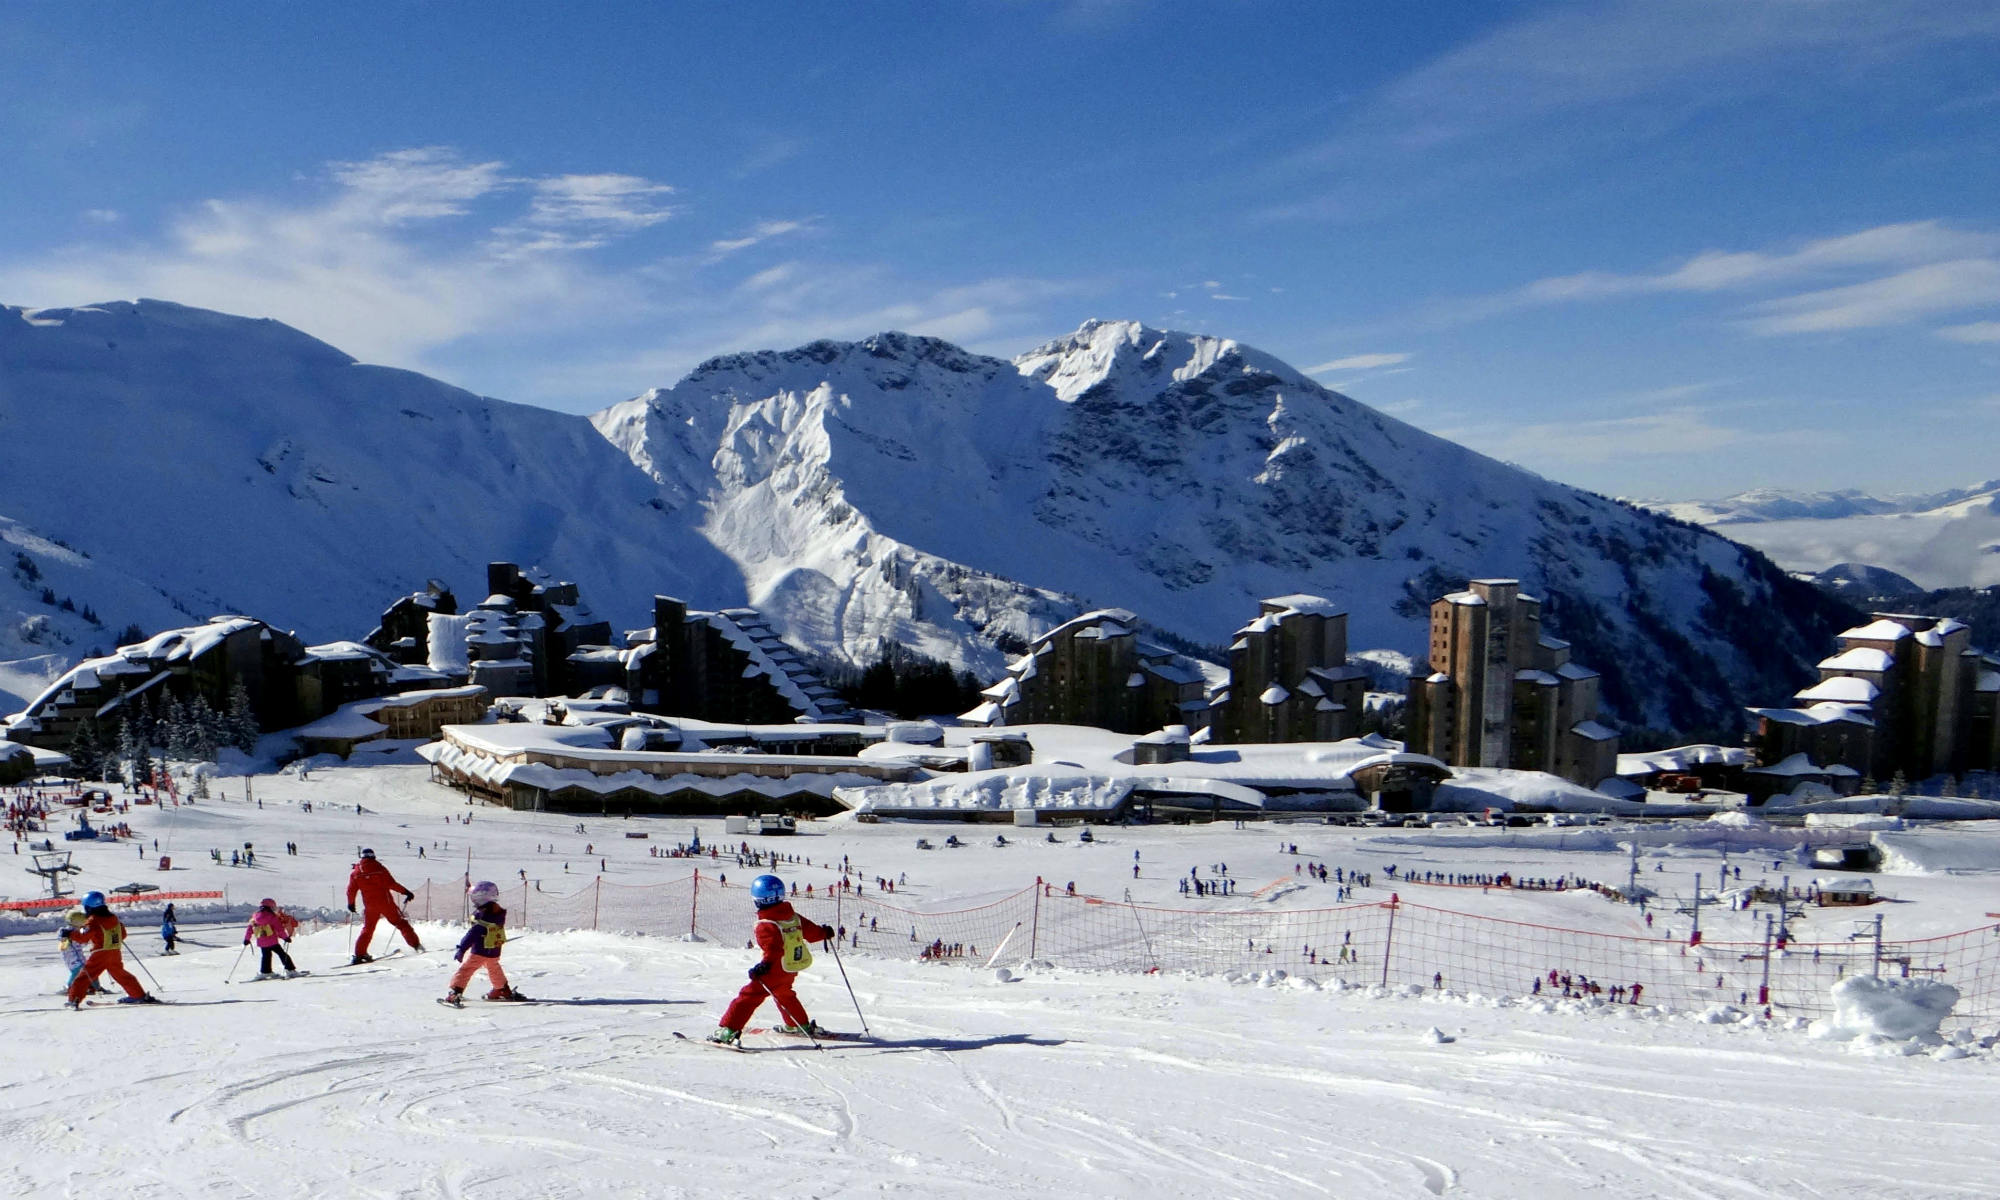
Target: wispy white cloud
<point>1975,333</point>
<point>101,216</point>
<point>390,261</point>
<point>1897,299</point>
<point>763,231</point>
<point>1358,362</point>
<point>1887,275</point>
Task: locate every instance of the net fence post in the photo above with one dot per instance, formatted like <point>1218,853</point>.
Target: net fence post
<point>596,901</point>
<point>1035,924</point>
<point>694,904</point>
<point>1389,938</point>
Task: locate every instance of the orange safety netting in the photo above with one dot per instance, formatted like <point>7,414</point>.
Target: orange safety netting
<point>1394,944</point>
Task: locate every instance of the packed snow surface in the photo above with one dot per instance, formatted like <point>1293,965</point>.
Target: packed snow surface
<point>1031,1082</point>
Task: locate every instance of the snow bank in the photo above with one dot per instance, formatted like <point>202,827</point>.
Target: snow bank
<point>1936,853</point>
<point>1894,1009</point>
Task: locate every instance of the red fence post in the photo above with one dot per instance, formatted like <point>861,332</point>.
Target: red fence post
<point>1389,938</point>
<point>1035,927</point>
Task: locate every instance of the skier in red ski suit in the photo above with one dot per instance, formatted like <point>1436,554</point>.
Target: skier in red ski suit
<point>376,887</point>
<point>782,936</point>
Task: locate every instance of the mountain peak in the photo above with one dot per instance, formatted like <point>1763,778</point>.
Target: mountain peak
<point>1106,353</point>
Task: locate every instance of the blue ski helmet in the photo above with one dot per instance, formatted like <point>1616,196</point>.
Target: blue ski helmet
<point>94,900</point>
<point>766,890</point>
<point>368,854</point>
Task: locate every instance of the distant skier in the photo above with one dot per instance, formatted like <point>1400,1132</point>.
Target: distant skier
<point>372,882</point>
<point>170,930</point>
<point>482,943</point>
<point>272,931</point>
<point>105,935</point>
<point>782,936</point>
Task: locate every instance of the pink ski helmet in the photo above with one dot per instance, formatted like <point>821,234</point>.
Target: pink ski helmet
<point>483,892</point>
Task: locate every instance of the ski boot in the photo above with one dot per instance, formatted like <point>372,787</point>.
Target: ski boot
<point>294,973</point>
<point>809,1029</point>
<point>505,993</point>
<point>266,975</point>
<point>141,998</point>
<point>455,997</point>
<point>358,959</point>
<point>726,1036</point>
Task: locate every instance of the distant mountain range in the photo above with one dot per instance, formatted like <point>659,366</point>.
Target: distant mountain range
<point>1936,539</point>
<point>167,462</point>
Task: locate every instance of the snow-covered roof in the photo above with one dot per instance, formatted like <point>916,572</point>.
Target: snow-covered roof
<point>1988,681</point>
<point>1822,713</point>
<point>1302,603</point>
<point>1845,689</point>
<point>1274,695</point>
<point>1593,730</point>
<point>1572,671</point>
<point>1680,758</point>
<point>1881,630</point>
<point>1860,658</point>
<point>1467,599</point>
<point>1791,767</point>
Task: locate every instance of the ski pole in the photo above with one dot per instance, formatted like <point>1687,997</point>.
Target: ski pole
<point>850,987</point>
<point>806,1025</point>
<point>237,963</point>
<point>141,964</point>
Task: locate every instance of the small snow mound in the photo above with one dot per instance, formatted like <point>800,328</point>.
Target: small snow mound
<point>1003,975</point>
<point>1895,1009</point>
<point>1721,1014</point>
<point>1438,1037</point>
<point>1950,1053</point>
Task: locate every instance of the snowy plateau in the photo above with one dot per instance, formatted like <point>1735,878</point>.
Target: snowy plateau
<point>1944,539</point>
<point>1023,1080</point>
<point>165,463</point>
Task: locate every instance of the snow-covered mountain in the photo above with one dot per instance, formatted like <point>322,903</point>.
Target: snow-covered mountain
<point>164,462</point>
<point>902,487</point>
<point>1938,539</point>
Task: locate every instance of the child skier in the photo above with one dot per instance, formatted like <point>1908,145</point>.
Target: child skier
<point>273,932</point>
<point>782,935</point>
<point>105,935</point>
<point>170,930</point>
<point>483,942</point>
<point>72,954</point>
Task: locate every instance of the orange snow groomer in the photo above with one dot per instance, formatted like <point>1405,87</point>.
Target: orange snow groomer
<point>371,881</point>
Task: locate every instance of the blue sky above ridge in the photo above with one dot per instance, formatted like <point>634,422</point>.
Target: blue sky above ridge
<point>1669,248</point>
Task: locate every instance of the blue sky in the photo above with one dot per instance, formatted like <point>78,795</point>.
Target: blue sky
<point>1670,248</point>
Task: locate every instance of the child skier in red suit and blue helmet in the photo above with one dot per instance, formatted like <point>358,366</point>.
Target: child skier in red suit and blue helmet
<point>782,935</point>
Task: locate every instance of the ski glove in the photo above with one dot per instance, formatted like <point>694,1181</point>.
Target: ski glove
<point>409,896</point>
<point>350,908</point>
<point>825,932</point>
<point>758,969</point>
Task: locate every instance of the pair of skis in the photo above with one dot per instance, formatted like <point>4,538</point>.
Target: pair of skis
<point>824,1035</point>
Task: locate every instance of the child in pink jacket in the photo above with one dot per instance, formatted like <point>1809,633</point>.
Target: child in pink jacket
<point>272,931</point>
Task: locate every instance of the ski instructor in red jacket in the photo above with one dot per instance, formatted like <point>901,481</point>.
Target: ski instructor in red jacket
<point>377,888</point>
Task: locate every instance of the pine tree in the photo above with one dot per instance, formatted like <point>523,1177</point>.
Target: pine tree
<point>86,756</point>
<point>178,735</point>
<point>204,729</point>
<point>128,750</point>
<point>1898,785</point>
<point>242,727</point>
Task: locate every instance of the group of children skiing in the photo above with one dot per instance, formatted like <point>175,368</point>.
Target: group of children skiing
<point>93,940</point>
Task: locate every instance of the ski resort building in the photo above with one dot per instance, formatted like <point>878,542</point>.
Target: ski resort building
<point>410,716</point>
<point>1097,670</point>
<point>606,762</point>
<point>727,666</point>
<point>283,681</point>
<point>405,631</point>
<point>1905,695</point>
<point>1502,693</point>
<point>1289,680</point>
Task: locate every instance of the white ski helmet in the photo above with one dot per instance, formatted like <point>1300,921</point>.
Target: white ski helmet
<point>484,892</point>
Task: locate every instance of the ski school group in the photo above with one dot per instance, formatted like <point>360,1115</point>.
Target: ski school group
<point>94,938</point>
